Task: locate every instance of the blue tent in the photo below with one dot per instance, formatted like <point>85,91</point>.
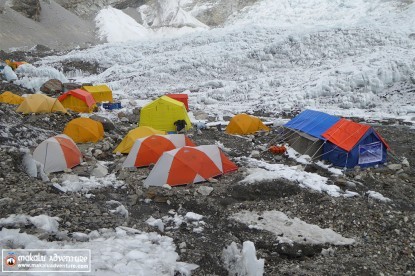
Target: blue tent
<point>312,122</point>
<point>351,144</point>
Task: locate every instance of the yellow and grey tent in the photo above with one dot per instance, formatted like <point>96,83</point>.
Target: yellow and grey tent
<point>84,130</point>
<point>10,98</point>
<point>39,103</point>
<point>245,124</point>
<point>129,139</point>
<point>162,113</point>
<point>101,93</point>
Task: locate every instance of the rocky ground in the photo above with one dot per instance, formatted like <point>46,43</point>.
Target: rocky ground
<point>384,232</point>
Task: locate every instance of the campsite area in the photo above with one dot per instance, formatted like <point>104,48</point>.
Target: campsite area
<point>382,228</point>
<point>208,137</point>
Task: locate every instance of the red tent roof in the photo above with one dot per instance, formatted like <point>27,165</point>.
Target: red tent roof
<point>80,94</point>
<point>346,134</point>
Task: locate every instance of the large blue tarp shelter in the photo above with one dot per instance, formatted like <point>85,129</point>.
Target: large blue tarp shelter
<point>312,122</point>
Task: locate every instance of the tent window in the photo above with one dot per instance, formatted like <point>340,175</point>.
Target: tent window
<point>370,153</point>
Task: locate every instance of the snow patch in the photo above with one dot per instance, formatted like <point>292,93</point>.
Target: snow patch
<point>290,230</point>
<point>262,171</point>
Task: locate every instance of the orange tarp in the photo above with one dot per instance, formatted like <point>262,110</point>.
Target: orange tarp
<point>345,133</point>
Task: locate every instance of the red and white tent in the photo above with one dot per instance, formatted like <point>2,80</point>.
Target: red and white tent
<point>58,153</point>
<point>148,150</point>
<point>189,165</point>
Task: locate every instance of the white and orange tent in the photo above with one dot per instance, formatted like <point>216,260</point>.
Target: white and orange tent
<point>188,165</point>
<point>148,150</point>
<point>57,153</point>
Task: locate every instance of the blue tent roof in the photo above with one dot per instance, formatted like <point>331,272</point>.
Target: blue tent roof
<point>312,122</point>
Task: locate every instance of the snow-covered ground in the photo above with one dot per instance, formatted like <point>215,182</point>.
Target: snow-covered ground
<point>353,58</point>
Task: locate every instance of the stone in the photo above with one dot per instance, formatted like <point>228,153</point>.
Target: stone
<point>106,123</point>
<point>405,162</point>
<point>69,177</point>
<point>52,87</point>
<point>255,154</point>
<point>395,167</point>
<point>97,152</point>
<point>99,171</point>
<point>204,190</point>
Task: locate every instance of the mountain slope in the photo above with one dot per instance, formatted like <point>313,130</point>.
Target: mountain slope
<point>57,28</point>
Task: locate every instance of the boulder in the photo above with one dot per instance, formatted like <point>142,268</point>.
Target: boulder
<point>99,171</point>
<point>395,167</point>
<point>204,190</point>
<point>52,87</point>
<point>107,123</point>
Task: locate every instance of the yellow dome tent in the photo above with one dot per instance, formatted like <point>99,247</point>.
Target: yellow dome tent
<point>245,124</point>
<point>129,139</point>
<point>101,93</point>
<point>162,113</point>
<point>10,98</point>
<point>39,103</point>
<point>84,130</point>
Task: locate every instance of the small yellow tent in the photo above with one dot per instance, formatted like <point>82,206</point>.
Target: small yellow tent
<point>78,100</point>
<point>39,103</point>
<point>129,139</point>
<point>10,98</point>
<point>245,124</point>
<point>101,93</point>
<point>84,130</point>
<point>162,113</point>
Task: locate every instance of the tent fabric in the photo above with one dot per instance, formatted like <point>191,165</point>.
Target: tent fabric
<point>184,98</point>
<point>351,144</point>
<point>84,130</point>
<point>57,154</point>
<point>39,103</point>
<point>349,159</point>
<point>188,165</point>
<point>162,113</point>
<point>129,139</point>
<point>312,122</point>
<point>78,100</point>
<point>345,133</point>
<point>10,98</point>
<point>101,93</point>
<point>147,151</point>
<point>245,124</point>
<point>303,143</point>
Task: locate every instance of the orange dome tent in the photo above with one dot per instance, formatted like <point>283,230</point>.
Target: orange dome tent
<point>188,165</point>
<point>78,100</point>
<point>10,98</point>
<point>245,124</point>
<point>146,151</point>
<point>132,135</point>
<point>84,130</point>
<point>57,154</point>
